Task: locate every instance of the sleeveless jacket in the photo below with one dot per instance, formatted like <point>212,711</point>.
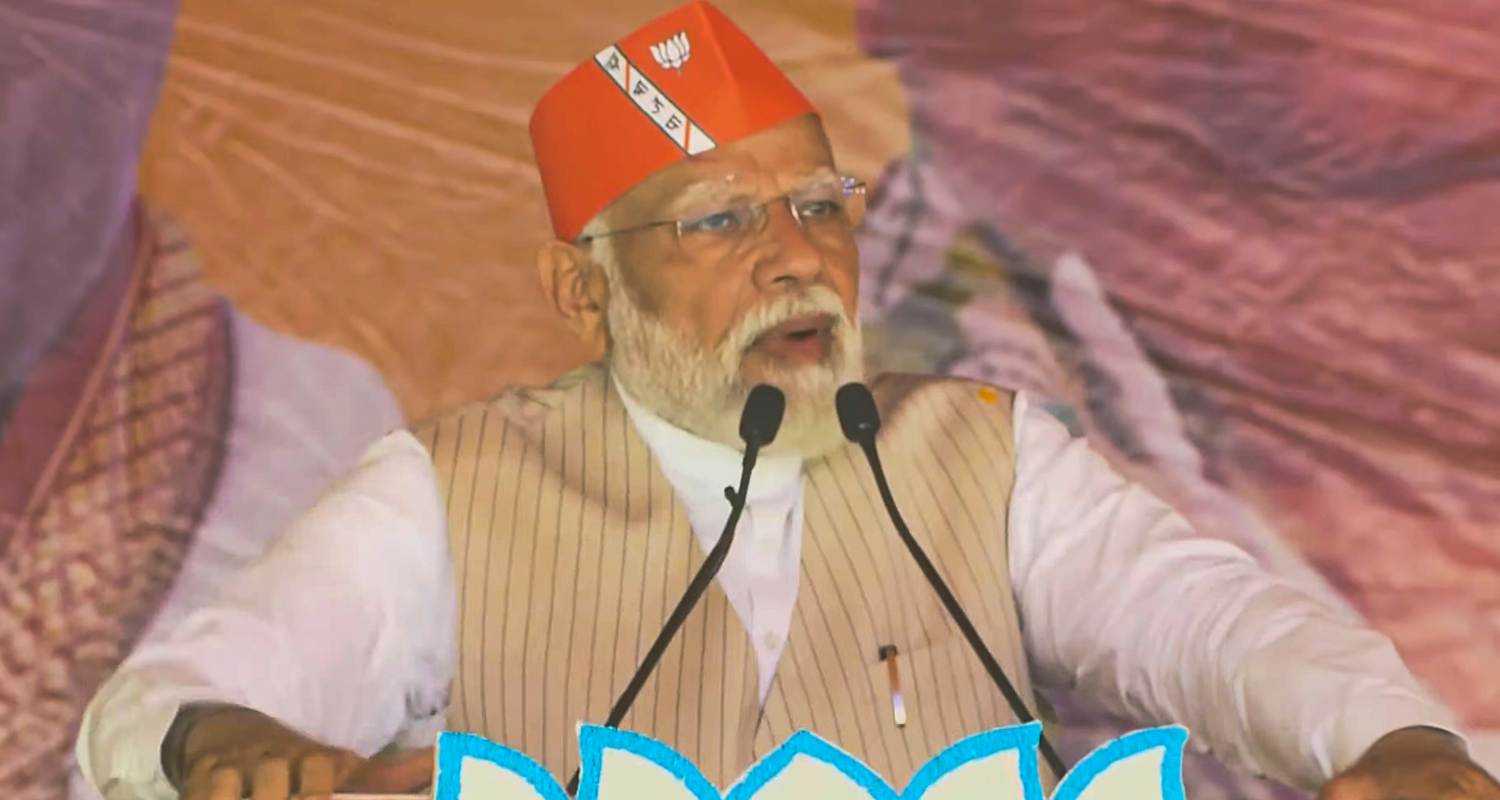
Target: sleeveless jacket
<point>570,549</point>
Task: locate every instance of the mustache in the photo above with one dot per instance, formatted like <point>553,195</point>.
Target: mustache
<point>816,300</point>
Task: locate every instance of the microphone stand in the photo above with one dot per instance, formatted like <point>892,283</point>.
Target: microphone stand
<point>755,438</point>
<point>862,432</point>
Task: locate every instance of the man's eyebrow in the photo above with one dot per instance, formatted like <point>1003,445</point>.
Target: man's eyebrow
<point>815,175</point>
<point>722,190</point>
<point>713,190</point>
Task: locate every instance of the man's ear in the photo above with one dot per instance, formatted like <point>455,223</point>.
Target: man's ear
<point>576,286</point>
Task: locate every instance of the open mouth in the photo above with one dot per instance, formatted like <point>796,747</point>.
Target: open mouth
<point>801,338</point>
<point>799,328</point>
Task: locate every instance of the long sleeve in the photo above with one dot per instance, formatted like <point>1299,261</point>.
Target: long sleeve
<point>269,587</point>
<point>1120,598</point>
<point>343,629</point>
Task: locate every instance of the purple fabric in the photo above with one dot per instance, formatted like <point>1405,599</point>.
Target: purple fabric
<point>78,81</point>
<point>1285,209</point>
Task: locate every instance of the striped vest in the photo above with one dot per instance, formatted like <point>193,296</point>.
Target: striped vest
<point>570,549</point>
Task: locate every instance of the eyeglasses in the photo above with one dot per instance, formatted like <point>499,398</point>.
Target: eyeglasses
<point>827,212</point>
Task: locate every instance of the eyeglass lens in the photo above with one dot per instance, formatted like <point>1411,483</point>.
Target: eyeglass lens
<point>826,212</point>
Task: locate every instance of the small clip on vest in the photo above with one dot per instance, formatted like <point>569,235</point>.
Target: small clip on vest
<point>889,654</point>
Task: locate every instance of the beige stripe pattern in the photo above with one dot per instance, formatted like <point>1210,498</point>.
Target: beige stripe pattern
<point>570,548</point>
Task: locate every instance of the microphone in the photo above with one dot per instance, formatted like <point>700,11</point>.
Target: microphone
<point>761,418</point>
<point>861,421</point>
<point>759,421</point>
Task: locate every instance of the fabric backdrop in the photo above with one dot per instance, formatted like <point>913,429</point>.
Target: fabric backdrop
<point>1249,249</point>
<point>360,172</point>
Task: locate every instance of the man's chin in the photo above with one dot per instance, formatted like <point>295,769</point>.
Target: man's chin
<point>793,379</point>
<point>810,427</point>
<point>809,431</point>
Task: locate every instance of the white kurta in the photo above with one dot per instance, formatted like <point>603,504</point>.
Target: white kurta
<point>289,438</point>
<point>1116,595</point>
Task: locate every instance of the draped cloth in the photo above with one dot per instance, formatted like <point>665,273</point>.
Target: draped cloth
<point>111,455</point>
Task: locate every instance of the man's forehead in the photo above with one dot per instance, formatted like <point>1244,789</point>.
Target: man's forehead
<point>786,159</point>
<point>732,184</point>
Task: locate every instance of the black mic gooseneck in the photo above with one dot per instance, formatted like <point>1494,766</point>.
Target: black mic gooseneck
<point>758,425</point>
<point>861,421</point>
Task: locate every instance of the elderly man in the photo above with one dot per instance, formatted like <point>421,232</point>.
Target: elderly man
<point>705,236</point>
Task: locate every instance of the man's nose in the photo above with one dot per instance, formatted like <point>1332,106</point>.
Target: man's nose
<point>785,256</point>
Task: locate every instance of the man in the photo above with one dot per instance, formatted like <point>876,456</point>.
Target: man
<point>151,438</point>
<point>705,236</point>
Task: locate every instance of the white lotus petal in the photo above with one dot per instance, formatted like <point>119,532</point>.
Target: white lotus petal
<point>997,775</point>
<point>480,778</point>
<point>1135,777</point>
<point>628,776</point>
<point>805,776</point>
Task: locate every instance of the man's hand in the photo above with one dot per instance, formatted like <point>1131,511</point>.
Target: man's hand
<point>1414,764</point>
<point>230,752</point>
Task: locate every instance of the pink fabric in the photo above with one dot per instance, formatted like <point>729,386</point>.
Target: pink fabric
<point>1285,212</point>
<point>1291,207</point>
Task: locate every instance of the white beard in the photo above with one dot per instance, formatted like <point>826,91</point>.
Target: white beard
<point>701,390</point>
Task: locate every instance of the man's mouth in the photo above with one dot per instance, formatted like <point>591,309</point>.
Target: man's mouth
<point>804,339</point>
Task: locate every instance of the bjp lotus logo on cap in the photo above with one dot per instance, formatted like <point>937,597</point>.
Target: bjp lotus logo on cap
<point>674,52</point>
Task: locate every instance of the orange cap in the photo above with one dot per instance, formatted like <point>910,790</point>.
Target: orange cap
<point>683,84</point>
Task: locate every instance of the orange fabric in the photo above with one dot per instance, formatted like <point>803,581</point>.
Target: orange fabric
<point>678,86</point>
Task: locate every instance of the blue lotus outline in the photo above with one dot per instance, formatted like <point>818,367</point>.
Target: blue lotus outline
<point>809,744</point>
<point>1021,738</point>
<point>594,740</point>
<point>1172,737</point>
<point>453,748</point>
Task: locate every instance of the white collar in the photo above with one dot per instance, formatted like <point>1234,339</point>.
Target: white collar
<point>696,466</point>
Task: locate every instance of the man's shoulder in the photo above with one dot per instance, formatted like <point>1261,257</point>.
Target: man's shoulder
<point>524,408</point>
<point>917,407</point>
<point>896,392</point>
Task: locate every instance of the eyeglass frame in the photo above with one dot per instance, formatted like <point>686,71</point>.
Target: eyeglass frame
<point>848,185</point>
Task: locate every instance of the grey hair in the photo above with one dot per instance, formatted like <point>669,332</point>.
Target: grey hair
<point>601,250</point>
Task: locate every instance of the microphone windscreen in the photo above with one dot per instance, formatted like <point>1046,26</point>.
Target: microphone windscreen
<point>762,415</point>
<point>857,414</point>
